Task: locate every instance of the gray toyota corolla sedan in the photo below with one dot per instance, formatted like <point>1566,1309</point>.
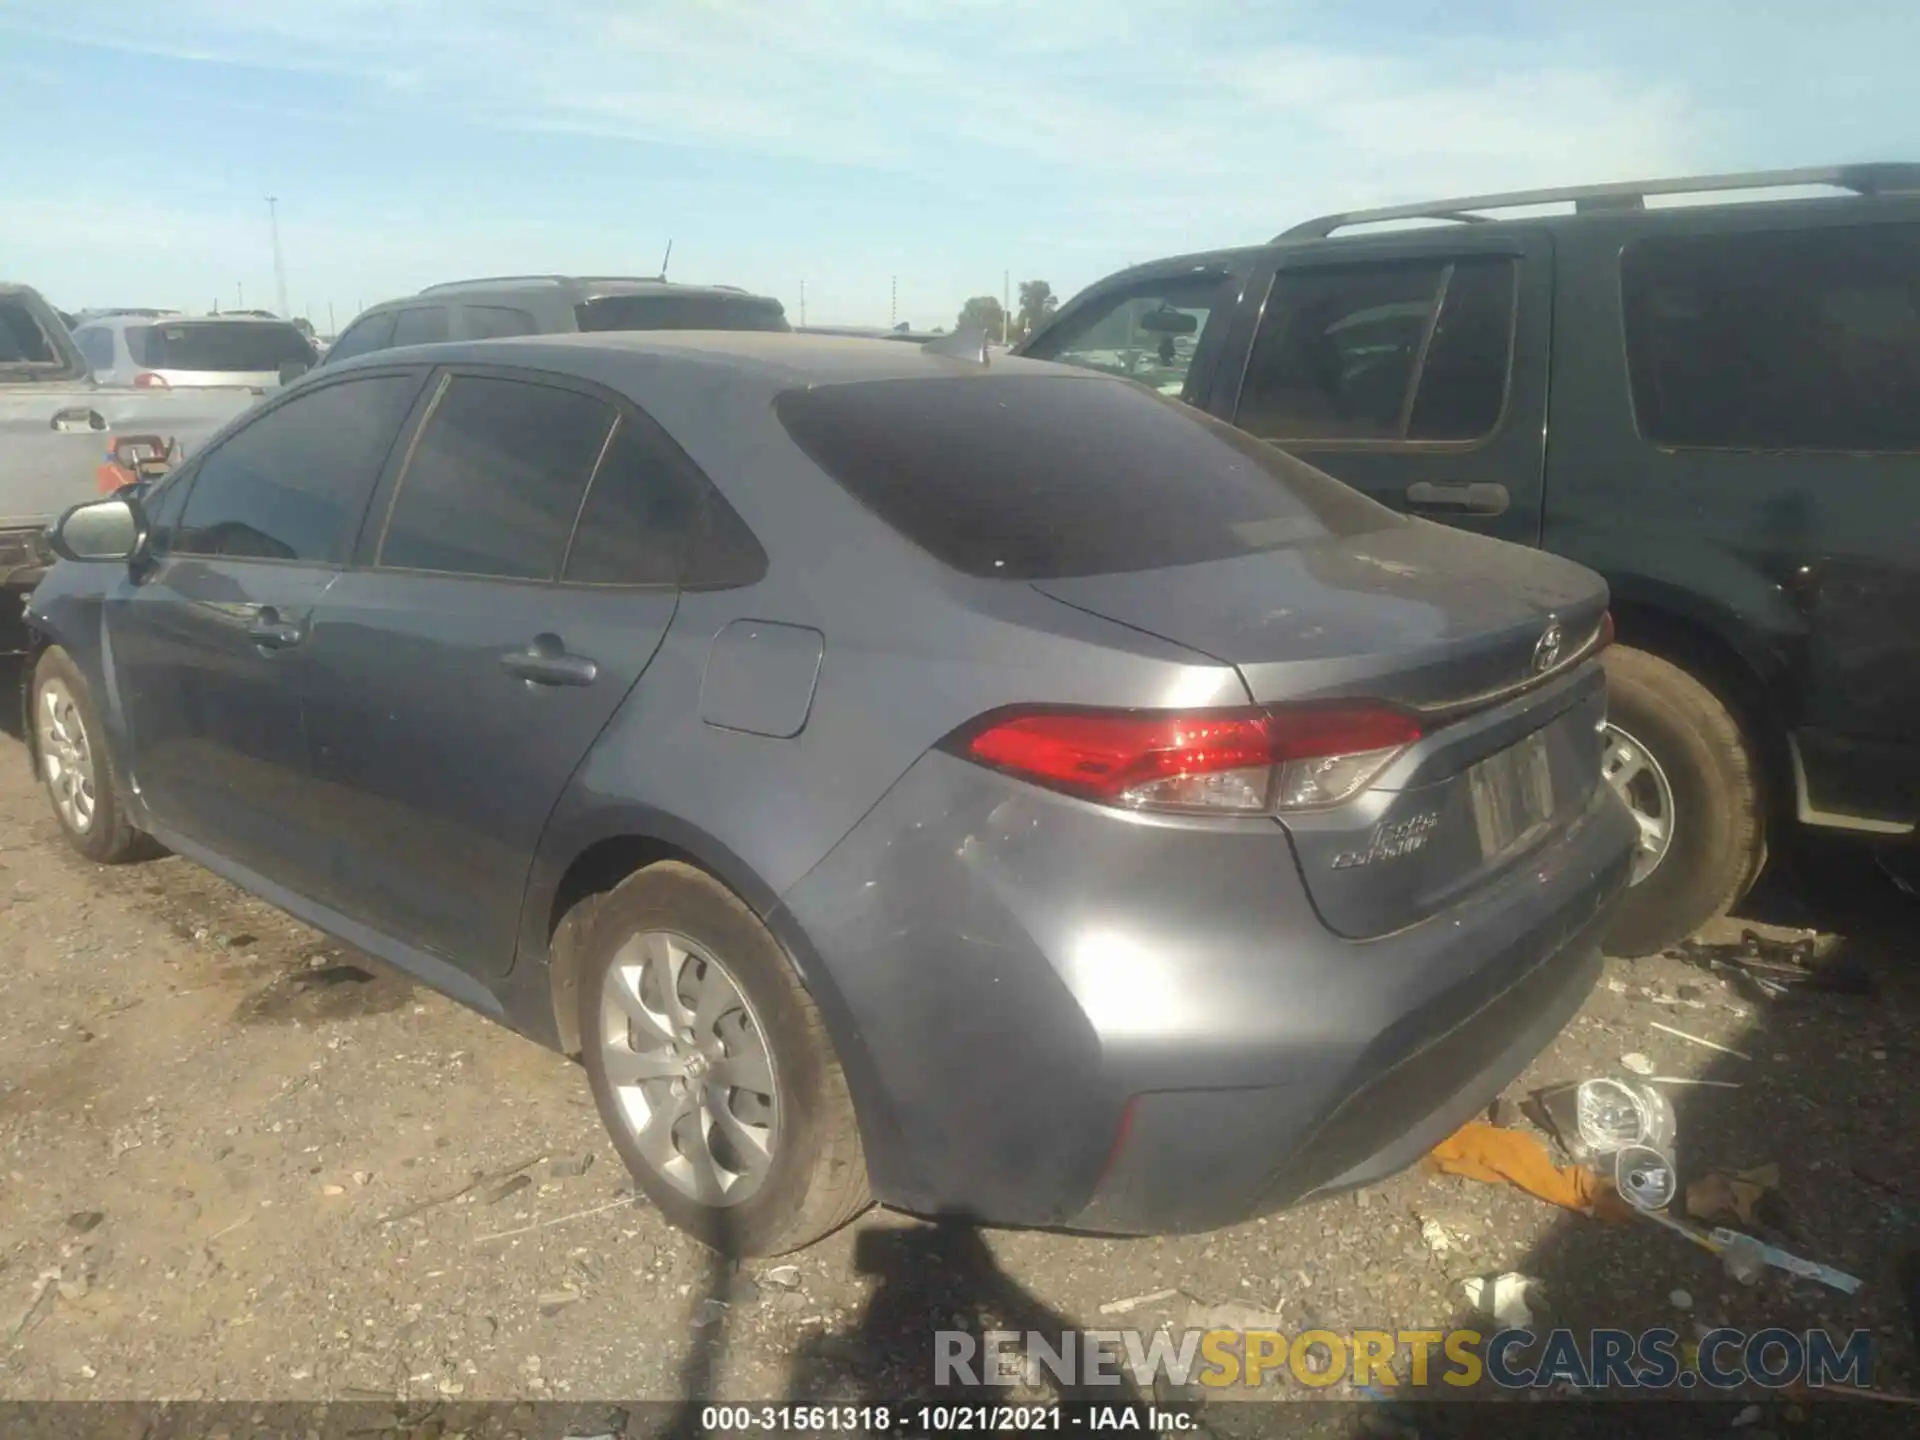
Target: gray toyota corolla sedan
<point>990,789</point>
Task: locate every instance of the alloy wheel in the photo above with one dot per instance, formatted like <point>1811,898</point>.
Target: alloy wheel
<point>689,1067</point>
<point>66,756</point>
<point>1638,779</point>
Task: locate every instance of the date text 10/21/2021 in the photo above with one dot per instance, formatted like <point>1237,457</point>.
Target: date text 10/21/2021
<point>955,1419</point>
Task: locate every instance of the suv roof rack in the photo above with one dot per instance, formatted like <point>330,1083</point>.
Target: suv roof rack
<point>1873,179</point>
<point>480,282</point>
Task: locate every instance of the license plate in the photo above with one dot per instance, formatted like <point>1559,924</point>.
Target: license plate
<point>1512,795</point>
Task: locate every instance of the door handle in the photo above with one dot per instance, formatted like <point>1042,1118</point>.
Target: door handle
<point>267,630</point>
<point>1476,499</point>
<point>76,419</point>
<point>546,662</point>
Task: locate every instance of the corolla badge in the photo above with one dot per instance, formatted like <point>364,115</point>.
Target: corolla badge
<point>1546,650</point>
<point>1390,840</point>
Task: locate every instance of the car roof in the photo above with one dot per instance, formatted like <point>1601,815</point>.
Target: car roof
<point>127,320</point>
<point>782,359</point>
<point>568,289</point>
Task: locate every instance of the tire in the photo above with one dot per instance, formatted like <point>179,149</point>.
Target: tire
<point>814,1179</point>
<point>1716,844</point>
<point>70,746</point>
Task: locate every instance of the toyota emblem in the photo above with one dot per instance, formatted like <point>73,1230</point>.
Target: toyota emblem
<point>1546,650</point>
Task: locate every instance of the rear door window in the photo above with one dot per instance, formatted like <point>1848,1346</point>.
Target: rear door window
<point>496,479</point>
<point>1147,332</point>
<point>422,325</point>
<point>231,346</point>
<point>1040,477</point>
<point>1777,340</point>
<point>363,337</point>
<point>681,312</point>
<point>96,343</point>
<point>1410,351</point>
<point>494,322</point>
<point>292,485</point>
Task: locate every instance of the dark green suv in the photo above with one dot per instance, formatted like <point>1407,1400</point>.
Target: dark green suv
<point>1715,405</point>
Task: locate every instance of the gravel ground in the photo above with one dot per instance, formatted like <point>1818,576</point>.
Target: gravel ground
<point>238,1160</point>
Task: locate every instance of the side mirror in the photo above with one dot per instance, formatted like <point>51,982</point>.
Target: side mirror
<point>110,529</point>
<point>292,370</point>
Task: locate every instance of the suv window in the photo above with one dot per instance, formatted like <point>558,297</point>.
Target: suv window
<point>1025,477</point>
<point>1777,340</point>
<point>363,337</point>
<point>680,312</point>
<point>22,339</point>
<point>227,346</point>
<point>292,485</point>
<point>1340,353</point>
<point>496,480</point>
<point>422,325</point>
<point>1146,333</point>
<point>652,518</point>
<point>494,322</point>
<point>96,343</point>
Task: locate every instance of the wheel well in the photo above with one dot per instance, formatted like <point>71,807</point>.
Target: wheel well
<point>1716,664</point>
<point>594,872</point>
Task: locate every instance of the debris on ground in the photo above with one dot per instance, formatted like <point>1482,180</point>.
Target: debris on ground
<point>1232,1315</point>
<point>1636,1062</point>
<point>787,1277</point>
<point>1478,1151</point>
<point>569,1167</point>
<point>1119,1307</point>
<point>1732,1196</point>
<point>82,1221</point>
<point>1695,1040</point>
<point>1777,969</point>
<point>1435,1236</point>
<point>1503,1298</point>
<point>552,1302</point>
<point>511,1186</point>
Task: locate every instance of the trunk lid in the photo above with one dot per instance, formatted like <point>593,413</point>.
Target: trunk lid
<point>1492,643</point>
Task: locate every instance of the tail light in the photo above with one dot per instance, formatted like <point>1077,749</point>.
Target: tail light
<point>1242,761</point>
<point>147,380</point>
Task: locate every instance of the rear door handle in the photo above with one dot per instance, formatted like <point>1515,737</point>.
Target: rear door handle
<point>267,630</point>
<point>1476,499</point>
<point>546,662</point>
<point>77,419</point>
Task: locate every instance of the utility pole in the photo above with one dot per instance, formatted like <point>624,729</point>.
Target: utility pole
<point>1006,305</point>
<point>893,304</point>
<point>279,265</point>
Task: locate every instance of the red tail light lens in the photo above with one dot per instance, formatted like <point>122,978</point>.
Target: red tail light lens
<point>1247,761</point>
<point>147,380</point>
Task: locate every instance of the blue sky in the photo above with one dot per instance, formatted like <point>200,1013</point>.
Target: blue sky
<point>844,144</point>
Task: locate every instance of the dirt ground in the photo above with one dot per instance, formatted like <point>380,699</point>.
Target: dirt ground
<point>238,1160</point>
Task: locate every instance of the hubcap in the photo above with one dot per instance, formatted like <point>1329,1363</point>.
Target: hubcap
<point>1638,779</point>
<point>66,757</point>
<point>688,1063</point>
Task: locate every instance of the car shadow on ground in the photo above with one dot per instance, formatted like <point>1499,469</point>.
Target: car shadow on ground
<point>13,714</point>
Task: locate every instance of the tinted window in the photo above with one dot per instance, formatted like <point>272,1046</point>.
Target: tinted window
<point>96,343</point>
<point>363,337</point>
<point>652,518</point>
<point>496,480</point>
<point>292,485</point>
<point>1026,477</point>
<point>492,322</point>
<point>426,325</point>
<point>1147,333</point>
<point>681,312</point>
<point>1787,340</point>
<point>22,340</point>
<point>1339,353</point>
<point>227,345</point>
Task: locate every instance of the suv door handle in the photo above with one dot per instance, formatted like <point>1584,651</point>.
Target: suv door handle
<point>545,661</point>
<point>76,419</point>
<point>1476,499</point>
<point>267,630</point>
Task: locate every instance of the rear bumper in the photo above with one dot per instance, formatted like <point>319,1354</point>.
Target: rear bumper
<point>1107,1022</point>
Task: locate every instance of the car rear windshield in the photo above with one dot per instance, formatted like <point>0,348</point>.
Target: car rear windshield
<point>1027,477</point>
<point>681,312</point>
<point>229,345</point>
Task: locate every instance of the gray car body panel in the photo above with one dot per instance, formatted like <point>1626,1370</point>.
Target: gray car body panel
<point>1001,968</point>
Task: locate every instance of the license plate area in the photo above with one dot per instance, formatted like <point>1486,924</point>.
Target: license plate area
<point>1512,795</point>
